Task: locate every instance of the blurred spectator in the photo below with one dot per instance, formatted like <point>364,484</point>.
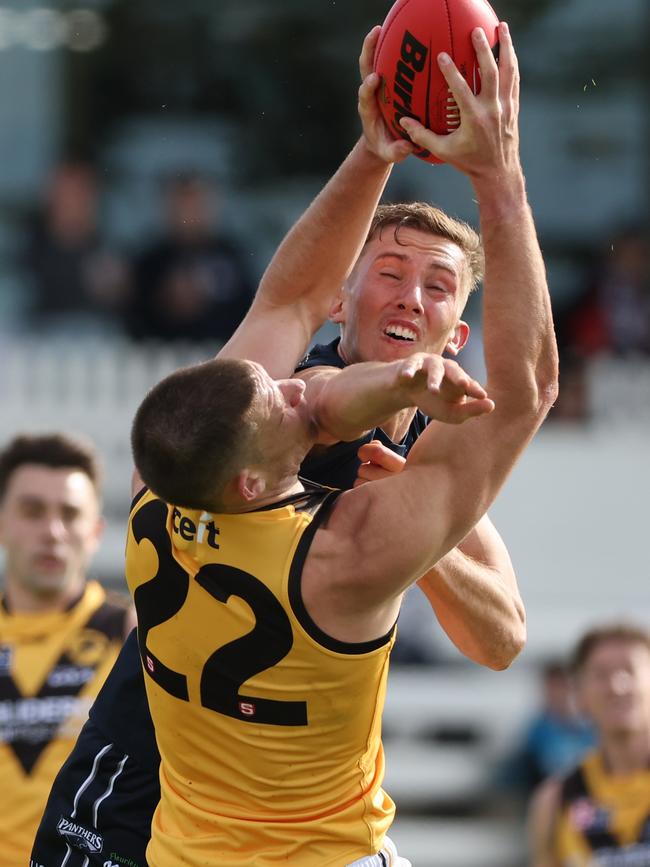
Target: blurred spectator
<point>76,279</point>
<point>572,404</point>
<point>599,812</point>
<point>612,313</point>
<point>557,736</point>
<point>192,283</point>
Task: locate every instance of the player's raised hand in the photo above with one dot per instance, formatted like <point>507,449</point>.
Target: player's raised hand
<point>377,462</point>
<point>376,135</point>
<point>487,140</point>
<point>442,389</point>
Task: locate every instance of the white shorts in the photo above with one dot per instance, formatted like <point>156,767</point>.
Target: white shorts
<point>388,857</point>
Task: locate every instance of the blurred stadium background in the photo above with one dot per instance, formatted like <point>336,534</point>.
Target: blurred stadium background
<point>246,108</point>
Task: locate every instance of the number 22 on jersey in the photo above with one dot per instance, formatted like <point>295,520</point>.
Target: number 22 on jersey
<point>230,665</point>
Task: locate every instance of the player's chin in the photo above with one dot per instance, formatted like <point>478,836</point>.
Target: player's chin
<point>394,348</point>
<point>45,584</point>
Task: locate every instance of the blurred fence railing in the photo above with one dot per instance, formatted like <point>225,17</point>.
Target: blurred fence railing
<point>94,387</point>
<point>618,391</point>
<point>87,388</point>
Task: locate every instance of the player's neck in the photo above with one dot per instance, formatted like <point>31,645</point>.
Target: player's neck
<point>286,488</point>
<point>626,753</point>
<point>397,425</point>
<point>22,600</point>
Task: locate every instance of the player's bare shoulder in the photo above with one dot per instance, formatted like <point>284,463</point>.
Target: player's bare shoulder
<point>340,540</point>
<point>337,579</point>
<point>345,551</point>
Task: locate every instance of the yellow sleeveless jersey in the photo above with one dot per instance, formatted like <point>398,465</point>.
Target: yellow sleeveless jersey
<point>52,666</point>
<point>269,730</point>
<point>604,820</point>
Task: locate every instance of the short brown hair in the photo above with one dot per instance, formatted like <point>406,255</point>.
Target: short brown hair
<point>192,431</point>
<point>427,218</point>
<point>628,632</point>
<point>55,450</point>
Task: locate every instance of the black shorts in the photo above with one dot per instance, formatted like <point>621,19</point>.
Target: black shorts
<point>99,810</point>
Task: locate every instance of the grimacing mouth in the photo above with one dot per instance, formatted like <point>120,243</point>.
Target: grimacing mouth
<point>401,332</point>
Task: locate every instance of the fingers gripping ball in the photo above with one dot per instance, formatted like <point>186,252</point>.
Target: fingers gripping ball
<point>412,36</point>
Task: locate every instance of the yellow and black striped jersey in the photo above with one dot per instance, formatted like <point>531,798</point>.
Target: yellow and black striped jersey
<point>268,729</point>
<point>604,820</point>
<point>52,665</point>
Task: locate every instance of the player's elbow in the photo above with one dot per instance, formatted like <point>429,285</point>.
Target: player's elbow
<point>547,393</point>
<point>512,641</point>
<point>547,375</point>
<point>527,406</point>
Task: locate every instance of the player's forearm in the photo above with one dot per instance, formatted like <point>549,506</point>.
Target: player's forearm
<point>519,339</point>
<point>318,253</point>
<point>477,611</point>
<point>356,399</point>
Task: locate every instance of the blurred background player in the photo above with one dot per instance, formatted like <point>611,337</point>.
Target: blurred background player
<point>555,738</point>
<point>600,812</point>
<point>59,635</point>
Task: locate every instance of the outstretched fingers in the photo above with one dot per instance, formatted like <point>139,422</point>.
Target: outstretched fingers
<point>508,67</point>
<point>487,65</point>
<point>471,409</point>
<point>429,366</point>
<point>426,138</point>
<point>377,137</point>
<point>457,381</point>
<point>377,453</point>
<point>367,56</point>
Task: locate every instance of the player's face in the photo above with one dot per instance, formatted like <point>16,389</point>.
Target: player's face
<point>614,687</point>
<point>404,297</point>
<point>49,528</point>
<point>287,428</point>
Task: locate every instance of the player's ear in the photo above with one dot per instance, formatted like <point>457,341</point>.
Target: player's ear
<point>337,310</point>
<point>458,338</point>
<point>249,484</point>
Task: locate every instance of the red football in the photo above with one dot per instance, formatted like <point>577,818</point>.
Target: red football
<point>412,36</point>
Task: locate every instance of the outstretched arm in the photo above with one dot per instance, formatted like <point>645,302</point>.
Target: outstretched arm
<point>349,402</point>
<point>473,589</point>
<point>516,299</point>
<point>315,258</point>
<point>399,528</point>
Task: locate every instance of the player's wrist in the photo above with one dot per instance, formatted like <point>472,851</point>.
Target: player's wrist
<point>501,196</point>
<point>369,157</point>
